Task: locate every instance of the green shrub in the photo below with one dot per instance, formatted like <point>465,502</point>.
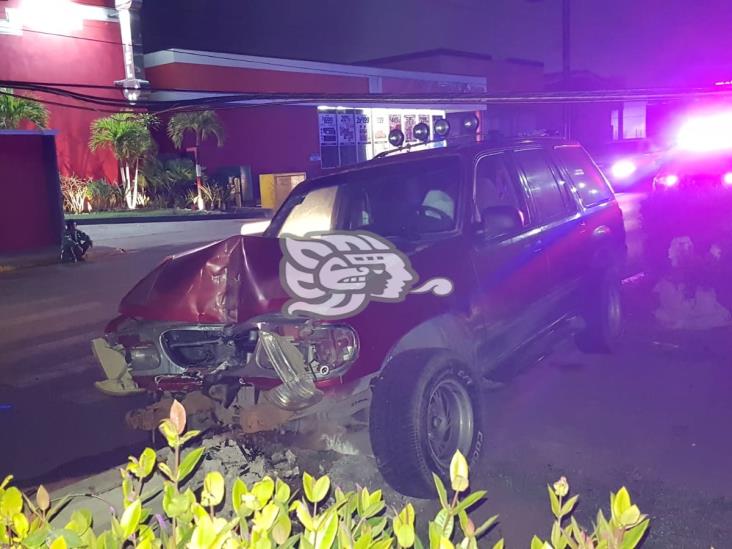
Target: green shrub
<point>268,514</point>
<point>104,196</point>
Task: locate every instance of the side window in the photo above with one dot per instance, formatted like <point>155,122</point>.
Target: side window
<point>543,186</point>
<point>496,186</point>
<point>588,183</point>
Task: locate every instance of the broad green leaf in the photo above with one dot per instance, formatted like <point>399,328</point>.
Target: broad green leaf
<point>499,544</point>
<point>11,503</point>
<point>556,535</point>
<point>568,506</point>
<point>282,492</point>
<point>303,515</point>
<point>383,544</point>
<point>321,488</point>
<point>37,538</point>
<point>170,433</point>
<point>630,517</point>
<point>178,416</point>
<point>445,522</point>
<point>633,537</point>
<point>404,532</point>
<point>556,508</point>
<point>407,514</point>
<point>43,500</point>
<point>459,472</point>
<point>166,470</point>
<point>147,462</point>
<point>282,528</point>
<point>378,525</point>
<point>189,462</point>
<point>80,521</point>
<point>130,519</point>
<point>441,491</point>
<point>213,489</point>
<point>445,543</point>
<point>470,500</point>
<point>58,543</point>
<point>466,525</point>
<point>308,486</point>
<point>20,525</point>
<point>188,436</point>
<point>72,539</point>
<point>238,490</point>
<point>620,502</point>
<point>326,533</point>
<point>364,541</point>
<point>265,518</point>
<point>536,543</point>
<point>263,490</point>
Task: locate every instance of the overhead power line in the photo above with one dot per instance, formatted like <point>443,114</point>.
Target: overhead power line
<point>224,99</point>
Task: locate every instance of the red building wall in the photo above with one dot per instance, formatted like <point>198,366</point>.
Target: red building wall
<point>92,55</point>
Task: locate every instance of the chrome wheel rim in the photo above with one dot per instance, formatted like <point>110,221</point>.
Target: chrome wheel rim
<point>450,421</point>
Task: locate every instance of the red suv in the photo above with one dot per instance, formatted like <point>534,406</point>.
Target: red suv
<point>392,290</point>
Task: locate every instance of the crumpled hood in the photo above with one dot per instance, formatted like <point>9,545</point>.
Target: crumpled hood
<point>226,282</point>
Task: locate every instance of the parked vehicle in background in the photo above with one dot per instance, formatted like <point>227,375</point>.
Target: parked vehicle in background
<point>527,233</point>
<point>630,164</point>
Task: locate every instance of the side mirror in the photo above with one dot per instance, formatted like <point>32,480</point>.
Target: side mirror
<point>500,221</point>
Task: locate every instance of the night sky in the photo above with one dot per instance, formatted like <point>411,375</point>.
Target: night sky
<point>644,42</point>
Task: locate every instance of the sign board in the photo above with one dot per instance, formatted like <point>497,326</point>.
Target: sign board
<point>346,129</point>
<point>328,128</point>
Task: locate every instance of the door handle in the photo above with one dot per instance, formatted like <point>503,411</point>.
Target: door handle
<point>599,232</point>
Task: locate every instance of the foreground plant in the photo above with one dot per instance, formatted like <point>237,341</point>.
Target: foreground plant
<point>267,514</point>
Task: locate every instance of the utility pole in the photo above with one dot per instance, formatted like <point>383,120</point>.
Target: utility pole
<point>566,63</point>
<point>566,66</point>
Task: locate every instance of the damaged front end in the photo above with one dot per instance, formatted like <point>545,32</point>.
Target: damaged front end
<point>290,363</point>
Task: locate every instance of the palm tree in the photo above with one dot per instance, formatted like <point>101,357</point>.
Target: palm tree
<point>128,136</point>
<point>14,110</point>
<point>202,124</point>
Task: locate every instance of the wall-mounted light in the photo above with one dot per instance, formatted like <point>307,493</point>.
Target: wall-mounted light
<point>52,16</point>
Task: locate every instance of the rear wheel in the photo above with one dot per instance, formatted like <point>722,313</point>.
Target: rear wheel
<point>425,407</point>
<point>603,315</point>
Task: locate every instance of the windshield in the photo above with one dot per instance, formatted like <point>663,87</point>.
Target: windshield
<point>411,200</point>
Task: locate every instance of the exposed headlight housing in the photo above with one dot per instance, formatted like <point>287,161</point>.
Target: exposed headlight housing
<point>327,349</point>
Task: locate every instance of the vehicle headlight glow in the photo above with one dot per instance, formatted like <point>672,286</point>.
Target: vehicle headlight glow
<point>668,181</point>
<point>623,169</point>
<point>706,133</point>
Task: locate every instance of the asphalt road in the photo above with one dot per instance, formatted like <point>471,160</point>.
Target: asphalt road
<point>54,423</point>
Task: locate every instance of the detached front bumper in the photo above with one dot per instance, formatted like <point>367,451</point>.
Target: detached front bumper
<point>119,380</point>
<point>294,391</point>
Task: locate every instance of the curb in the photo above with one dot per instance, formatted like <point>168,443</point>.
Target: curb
<point>10,263</point>
<point>254,213</point>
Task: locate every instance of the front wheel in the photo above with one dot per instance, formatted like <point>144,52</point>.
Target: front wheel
<point>425,407</point>
<point>603,315</point>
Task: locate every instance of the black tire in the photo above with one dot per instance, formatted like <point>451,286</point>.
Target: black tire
<point>404,397</point>
<point>602,314</point>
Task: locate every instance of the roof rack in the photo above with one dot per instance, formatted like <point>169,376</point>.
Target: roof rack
<point>492,135</point>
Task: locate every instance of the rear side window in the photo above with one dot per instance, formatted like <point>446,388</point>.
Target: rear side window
<point>586,179</point>
<point>495,185</point>
<point>543,186</point>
